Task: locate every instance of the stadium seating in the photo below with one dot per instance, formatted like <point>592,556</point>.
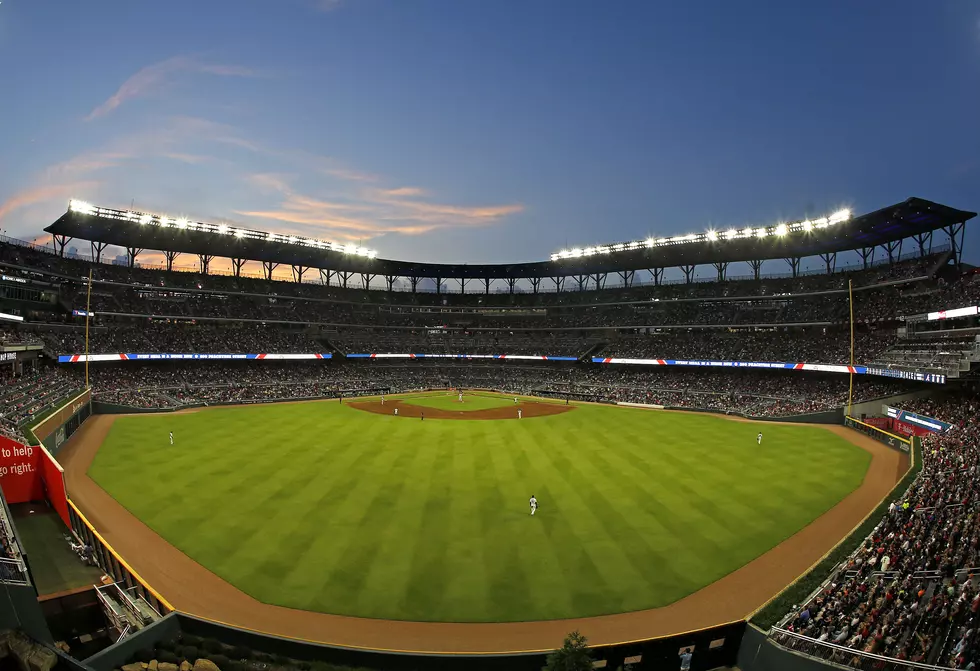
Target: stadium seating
<point>909,591</point>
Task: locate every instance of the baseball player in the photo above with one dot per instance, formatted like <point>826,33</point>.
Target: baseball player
<point>396,412</point>
<point>382,399</point>
<point>171,437</point>
<point>515,400</point>
<point>520,414</point>
<point>759,438</point>
<point>534,504</point>
<point>460,397</point>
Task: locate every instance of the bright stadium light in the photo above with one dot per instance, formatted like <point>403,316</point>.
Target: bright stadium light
<point>76,206</point>
<point>780,230</point>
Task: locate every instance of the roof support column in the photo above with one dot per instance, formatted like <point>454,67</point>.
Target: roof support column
<point>236,267</point>
<point>627,277</point>
<point>415,284</point>
<point>390,282</point>
<point>486,285</point>
<point>344,277</point>
<point>298,272</point>
<point>688,273</point>
<point>890,249</point>
<point>60,242</point>
<point>97,249</point>
<point>600,280</point>
<point>171,257</point>
<point>131,254</point>
<point>267,268</point>
<point>559,283</point>
<point>658,276</point>
<point>956,245</point>
<point>205,260</point>
<point>462,285</point>
<point>511,283</point>
<point>438,285</point>
<point>721,267</point>
<point>756,265</point>
<point>830,260</point>
<point>867,253</point>
<point>794,265</point>
<point>580,280</point>
<point>366,280</point>
<point>924,239</point>
<point>535,283</point>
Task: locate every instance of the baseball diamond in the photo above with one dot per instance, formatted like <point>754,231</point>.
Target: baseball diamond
<point>324,507</point>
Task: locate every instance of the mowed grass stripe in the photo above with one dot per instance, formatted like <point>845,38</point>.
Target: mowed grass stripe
<point>324,507</point>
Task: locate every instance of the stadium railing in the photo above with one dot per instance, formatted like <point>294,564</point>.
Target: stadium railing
<point>842,655</point>
<point>114,565</point>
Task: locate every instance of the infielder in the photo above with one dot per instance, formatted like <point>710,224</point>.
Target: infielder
<point>534,504</point>
<point>396,412</point>
<point>515,400</point>
<point>171,437</point>
<point>759,438</point>
<point>382,399</point>
<point>460,397</point>
<point>520,415</point>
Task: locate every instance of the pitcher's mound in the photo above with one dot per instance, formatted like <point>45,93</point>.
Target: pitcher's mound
<point>406,409</point>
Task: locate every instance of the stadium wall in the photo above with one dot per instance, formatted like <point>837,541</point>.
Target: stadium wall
<point>759,653</point>
<point>714,647</point>
<point>54,430</point>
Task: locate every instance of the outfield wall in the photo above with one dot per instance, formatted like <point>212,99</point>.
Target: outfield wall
<point>713,648</point>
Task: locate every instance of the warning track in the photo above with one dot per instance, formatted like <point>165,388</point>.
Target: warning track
<point>193,589</point>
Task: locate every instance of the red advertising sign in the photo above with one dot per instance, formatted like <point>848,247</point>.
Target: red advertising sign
<point>19,471</point>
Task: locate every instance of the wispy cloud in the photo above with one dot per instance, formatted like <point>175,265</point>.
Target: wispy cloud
<point>326,5</point>
<point>41,194</point>
<point>372,212</point>
<point>154,77</point>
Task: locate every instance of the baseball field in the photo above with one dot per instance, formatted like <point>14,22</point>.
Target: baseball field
<point>351,510</point>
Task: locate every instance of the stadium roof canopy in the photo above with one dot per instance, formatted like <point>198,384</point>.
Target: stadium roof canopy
<point>887,227</point>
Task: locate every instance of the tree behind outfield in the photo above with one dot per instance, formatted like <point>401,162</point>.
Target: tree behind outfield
<point>573,655</point>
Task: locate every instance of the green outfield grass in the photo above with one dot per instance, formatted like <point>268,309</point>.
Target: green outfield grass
<point>323,507</point>
<point>470,402</point>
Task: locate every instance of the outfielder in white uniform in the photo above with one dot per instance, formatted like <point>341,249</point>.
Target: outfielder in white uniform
<point>759,438</point>
<point>534,504</point>
<point>460,397</point>
<point>171,437</point>
<point>520,415</point>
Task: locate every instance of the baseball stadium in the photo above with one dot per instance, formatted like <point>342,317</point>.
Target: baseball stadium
<point>328,459</point>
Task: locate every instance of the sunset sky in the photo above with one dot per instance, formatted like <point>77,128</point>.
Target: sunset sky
<point>487,130</point>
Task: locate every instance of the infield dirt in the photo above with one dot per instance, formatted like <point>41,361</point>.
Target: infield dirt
<point>193,589</point>
<point>410,410</point>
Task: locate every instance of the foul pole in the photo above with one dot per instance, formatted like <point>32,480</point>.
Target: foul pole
<point>88,313</point>
<point>850,303</point>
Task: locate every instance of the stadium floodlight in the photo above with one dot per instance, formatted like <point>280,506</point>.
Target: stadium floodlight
<point>144,218</point>
<point>780,230</point>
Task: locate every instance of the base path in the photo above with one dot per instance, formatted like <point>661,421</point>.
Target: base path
<point>193,589</point>
<point>408,409</point>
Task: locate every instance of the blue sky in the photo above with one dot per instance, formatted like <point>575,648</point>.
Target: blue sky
<point>487,130</point>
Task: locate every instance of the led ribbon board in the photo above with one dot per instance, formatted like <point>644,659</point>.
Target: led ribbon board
<point>81,358</point>
<point>516,357</point>
<point>928,423</point>
<point>817,367</point>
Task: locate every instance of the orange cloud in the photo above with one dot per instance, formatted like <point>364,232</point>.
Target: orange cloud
<point>403,191</point>
<point>42,194</point>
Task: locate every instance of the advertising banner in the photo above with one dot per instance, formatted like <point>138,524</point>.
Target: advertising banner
<point>19,474</point>
<point>166,356</point>
<point>919,421</point>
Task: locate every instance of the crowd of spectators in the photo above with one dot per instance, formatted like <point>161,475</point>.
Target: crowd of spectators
<point>25,397</point>
<point>910,591</point>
